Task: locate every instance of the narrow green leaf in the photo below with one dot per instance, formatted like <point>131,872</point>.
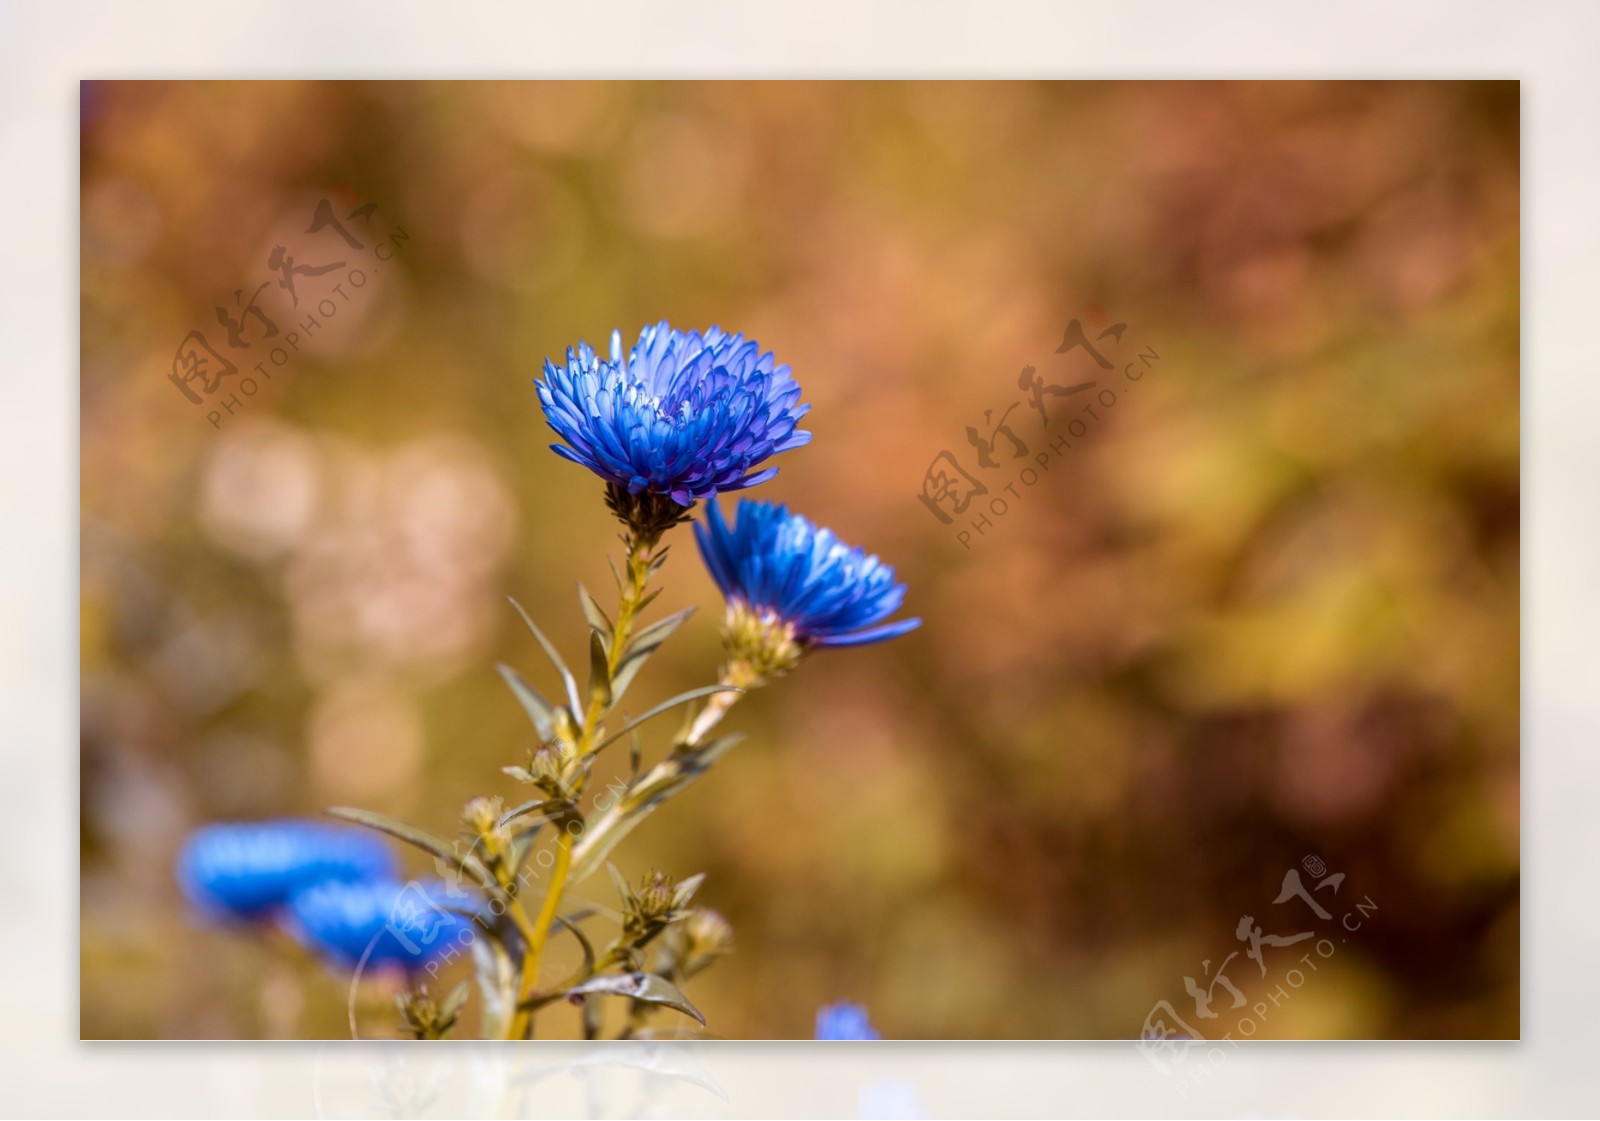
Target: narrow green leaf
<point>658,632</point>
<point>552,809</point>
<point>620,882</point>
<point>497,984</point>
<point>518,811</point>
<point>599,672</point>
<point>644,644</point>
<point>640,986</point>
<point>555,658</point>
<point>456,1001</point>
<point>664,780</point>
<point>571,925</point>
<point>667,706</point>
<point>522,843</point>
<point>598,620</point>
<point>627,669</point>
<point>541,710</point>
<point>686,889</point>
<point>422,839</point>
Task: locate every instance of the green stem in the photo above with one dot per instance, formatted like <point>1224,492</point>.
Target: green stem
<point>737,674</point>
<point>632,594</point>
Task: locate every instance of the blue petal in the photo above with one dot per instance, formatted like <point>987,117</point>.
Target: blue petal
<point>683,413</point>
<point>779,563</point>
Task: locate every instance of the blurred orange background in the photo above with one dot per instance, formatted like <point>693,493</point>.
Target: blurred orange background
<point>1265,608</point>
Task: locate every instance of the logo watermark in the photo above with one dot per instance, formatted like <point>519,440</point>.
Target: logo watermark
<point>421,916</point>
<point>1006,464</point>
<point>1167,1039</point>
<point>259,336</point>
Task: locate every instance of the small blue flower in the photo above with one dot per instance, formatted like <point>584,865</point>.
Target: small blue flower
<point>785,569</point>
<point>844,1021</point>
<point>683,414</point>
<point>382,922</point>
<point>243,870</point>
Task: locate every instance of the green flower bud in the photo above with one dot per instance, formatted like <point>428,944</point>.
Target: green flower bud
<point>759,644</point>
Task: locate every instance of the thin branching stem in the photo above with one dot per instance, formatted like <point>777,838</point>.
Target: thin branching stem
<point>640,562</point>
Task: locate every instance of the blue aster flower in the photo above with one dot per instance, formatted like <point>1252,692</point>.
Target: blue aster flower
<point>682,414</point>
<point>844,1021</point>
<point>382,922</point>
<point>779,569</point>
<point>244,870</point>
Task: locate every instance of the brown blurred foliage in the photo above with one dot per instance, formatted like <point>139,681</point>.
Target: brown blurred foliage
<point>1267,608</point>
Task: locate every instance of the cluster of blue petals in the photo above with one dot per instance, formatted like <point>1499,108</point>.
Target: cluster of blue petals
<point>382,922</point>
<point>779,563</point>
<point>683,414</point>
<point>335,888</point>
<point>844,1021</point>
<point>247,870</point>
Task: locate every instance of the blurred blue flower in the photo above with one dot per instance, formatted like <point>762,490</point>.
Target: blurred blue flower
<point>844,1021</point>
<point>383,922</point>
<point>243,870</point>
<point>782,567</point>
<point>681,414</point>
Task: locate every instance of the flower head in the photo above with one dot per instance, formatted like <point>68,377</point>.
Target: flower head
<point>381,922</point>
<point>844,1021</point>
<point>243,870</point>
<point>786,580</point>
<point>683,415</point>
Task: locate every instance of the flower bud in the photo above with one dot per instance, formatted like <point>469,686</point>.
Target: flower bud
<point>653,900</point>
<point>490,840</point>
<point>426,1018</point>
<point>759,644</point>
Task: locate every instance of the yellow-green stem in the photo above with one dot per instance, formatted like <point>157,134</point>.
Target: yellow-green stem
<point>629,599</point>
<point>736,673</point>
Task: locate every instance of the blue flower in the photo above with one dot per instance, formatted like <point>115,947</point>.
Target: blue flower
<point>844,1021</point>
<point>784,569</point>
<point>682,414</point>
<point>382,922</point>
<point>243,870</point>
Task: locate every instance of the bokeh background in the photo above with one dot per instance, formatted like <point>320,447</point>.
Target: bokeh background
<point>1266,608</point>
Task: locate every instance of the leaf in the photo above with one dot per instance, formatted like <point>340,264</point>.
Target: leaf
<point>658,632</point>
<point>640,986</point>
<point>555,659</point>
<point>456,1001</point>
<point>541,710</point>
<point>645,643</point>
<point>686,889</point>
<point>627,669</point>
<point>423,840</point>
<point>554,809</point>
<point>497,982</point>
<point>620,882</point>
<point>599,672</point>
<point>663,781</point>
<point>591,1019</point>
<point>518,811</point>
<point>522,843</point>
<point>598,620</point>
<point>583,942</point>
<point>666,706</point>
